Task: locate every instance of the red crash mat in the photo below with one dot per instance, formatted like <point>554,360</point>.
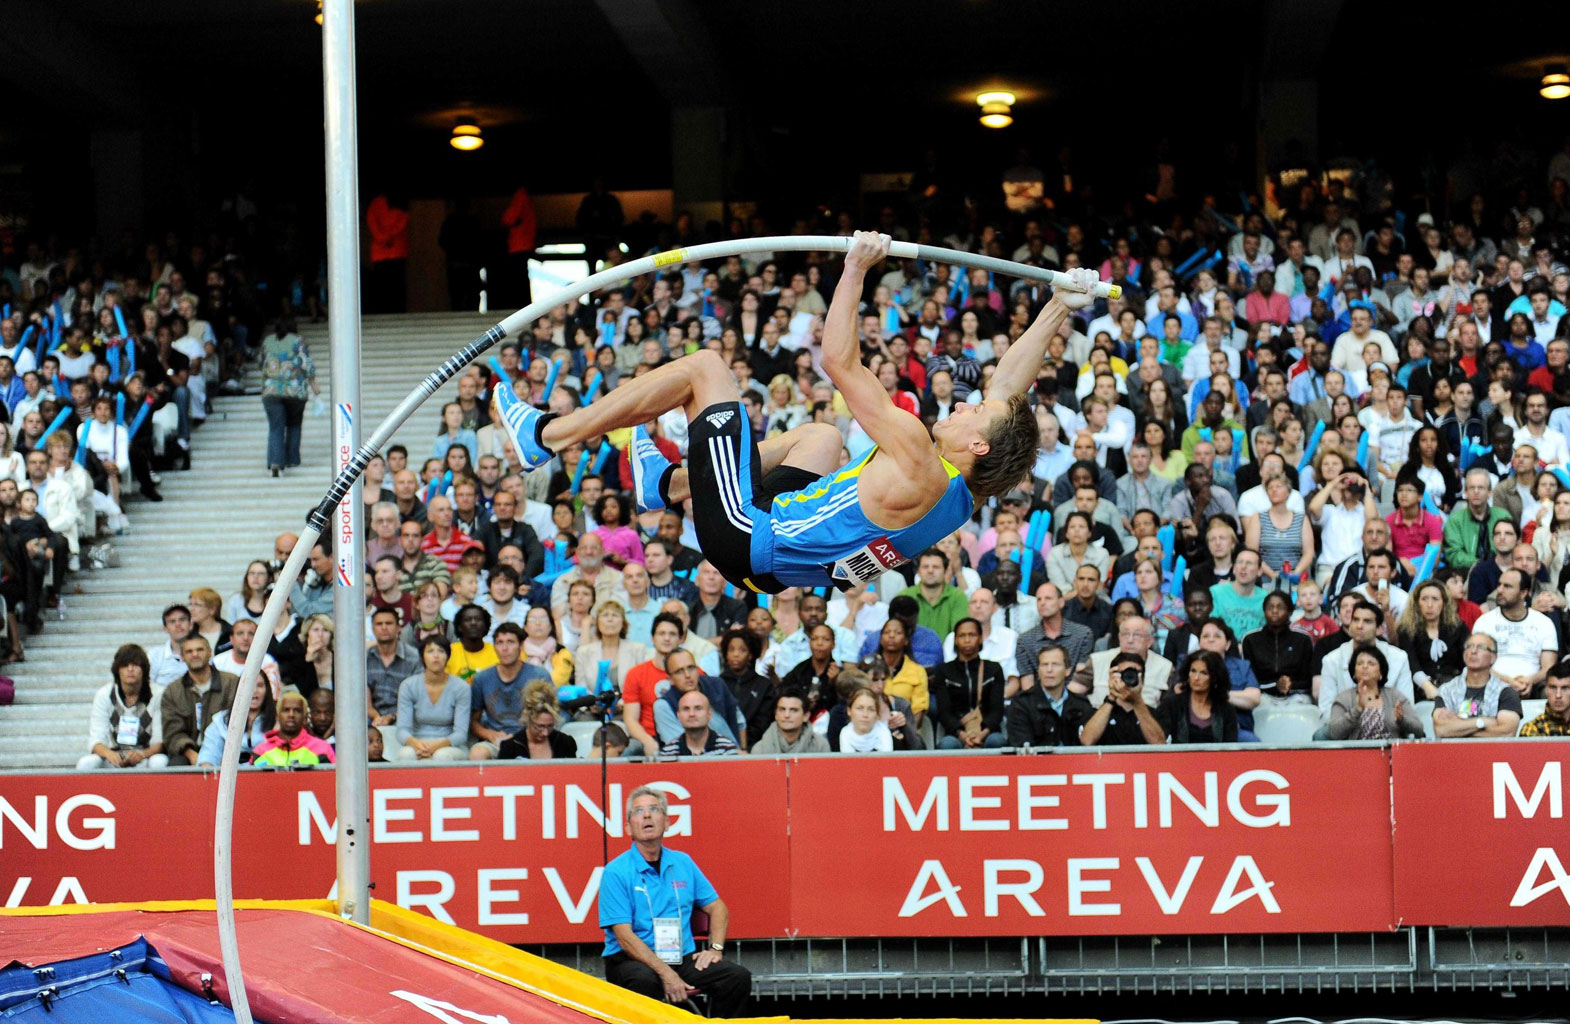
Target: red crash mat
<point>299,966</point>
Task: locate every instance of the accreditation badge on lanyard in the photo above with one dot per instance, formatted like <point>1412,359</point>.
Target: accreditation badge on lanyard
<point>126,730</point>
<point>667,932</point>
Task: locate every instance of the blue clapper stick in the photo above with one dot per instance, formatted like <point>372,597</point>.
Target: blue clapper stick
<point>1425,565</point>
<point>1237,447</point>
<point>577,474</point>
<point>1188,264</point>
<point>1017,557</point>
<point>54,326</point>
<point>1179,570</point>
<point>1430,505</point>
<point>1563,475</point>
<point>1362,456</point>
<point>81,445</point>
<point>602,457</point>
<point>1167,538</point>
<point>59,421</point>
<point>550,379</point>
<point>594,385</point>
<point>141,414</point>
<point>1312,447</point>
<point>119,322</point>
<point>114,364</point>
<point>446,487</point>
<point>119,408</point>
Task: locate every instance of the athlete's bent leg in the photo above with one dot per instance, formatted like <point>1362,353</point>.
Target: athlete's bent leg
<point>696,382</point>
<point>812,446</point>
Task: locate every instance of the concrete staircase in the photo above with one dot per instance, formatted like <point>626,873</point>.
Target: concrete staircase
<point>214,519</point>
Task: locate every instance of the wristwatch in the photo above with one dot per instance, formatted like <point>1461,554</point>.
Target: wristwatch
<point>718,947</point>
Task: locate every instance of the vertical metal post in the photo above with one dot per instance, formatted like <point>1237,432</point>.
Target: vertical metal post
<point>343,297</point>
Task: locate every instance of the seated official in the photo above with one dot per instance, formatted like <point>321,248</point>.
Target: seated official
<point>646,900</point>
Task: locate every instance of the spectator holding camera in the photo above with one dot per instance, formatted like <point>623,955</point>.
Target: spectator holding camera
<point>1340,507</point>
<point>1123,718</point>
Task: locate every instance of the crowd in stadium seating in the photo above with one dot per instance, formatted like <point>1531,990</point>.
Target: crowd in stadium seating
<point>109,361</point>
<point>1310,467</point>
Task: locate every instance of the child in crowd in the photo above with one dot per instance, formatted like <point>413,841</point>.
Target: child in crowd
<point>1310,617</point>
<point>465,588</point>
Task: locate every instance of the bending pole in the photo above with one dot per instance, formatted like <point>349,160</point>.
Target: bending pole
<point>321,516</point>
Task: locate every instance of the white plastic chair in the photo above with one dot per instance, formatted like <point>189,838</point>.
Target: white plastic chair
<point>582,733</point>
<point>1291,725</point>
<point>1425,712</point>
<point>1530,709</point>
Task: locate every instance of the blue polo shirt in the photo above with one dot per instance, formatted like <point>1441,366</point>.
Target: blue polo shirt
<point>632,894</point>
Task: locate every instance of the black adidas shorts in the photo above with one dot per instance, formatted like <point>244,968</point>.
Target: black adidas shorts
<point>730,496</point>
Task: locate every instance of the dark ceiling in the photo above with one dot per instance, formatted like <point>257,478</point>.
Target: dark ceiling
<point>815,92</point>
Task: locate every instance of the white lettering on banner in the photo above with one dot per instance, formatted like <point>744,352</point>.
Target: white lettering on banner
<point>36,832</point>
<point>1258,888</point>
<point>441,814</point>
<point>1029,801</point>
<point>383,816</point>
<point>1265,808</point>
<point>1550,783</point>
<point>970,803</point>
<point>1079,885</point>
<point>489,897</point>
<point>947,892</point>
<point>576,911</point>
<point>311,813</point>
<point>443,1011</point>
<point>433,903</point>
<point>69,886</point>
<point>936,803</point>
<point>1280,804</point>
<point>509,796</point>
<point>1085,880</point>
<point>1098,783</point>
<point>388,814</point>
<point>1529,891</point>
<point>993,888</point>
<point>1208,813</point>
<point>1170,903</point>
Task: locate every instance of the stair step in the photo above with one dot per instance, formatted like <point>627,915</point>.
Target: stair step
<point>215,518</point>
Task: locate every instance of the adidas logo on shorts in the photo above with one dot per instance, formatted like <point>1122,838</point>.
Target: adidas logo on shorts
<point>717,420</point>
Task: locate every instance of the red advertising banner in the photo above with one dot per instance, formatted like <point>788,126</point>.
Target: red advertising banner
<point>1094,844</point>
<point>1480,833</point>
<point>509,850</point>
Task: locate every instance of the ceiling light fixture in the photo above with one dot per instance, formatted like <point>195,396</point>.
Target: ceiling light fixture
<point>995,108</point>
<point>1555,84</point>
<point>466,136</point>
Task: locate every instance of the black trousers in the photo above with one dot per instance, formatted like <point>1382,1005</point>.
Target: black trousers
<point>728,985</point>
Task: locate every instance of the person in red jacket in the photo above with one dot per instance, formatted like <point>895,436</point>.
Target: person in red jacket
<point>519,221</point>
<point>388,223</point>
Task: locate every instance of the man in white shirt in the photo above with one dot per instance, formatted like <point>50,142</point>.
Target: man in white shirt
<point>232,658</point>
<point>1379,587</point>
<point>1335,674</point>
<point>1341,264</point>
<point>1528,642</point>
<point>997,642</point>
<point>1197,363</point>
<point>164,661</point>
<point>1109,323</point>
<point>1054,457</point>
<point>1393,428</point>
<point>1550,444</point>
<point>1347,354</point>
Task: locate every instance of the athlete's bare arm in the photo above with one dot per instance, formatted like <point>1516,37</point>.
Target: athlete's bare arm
<point>897,433</point>
<point>1016,372</point>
